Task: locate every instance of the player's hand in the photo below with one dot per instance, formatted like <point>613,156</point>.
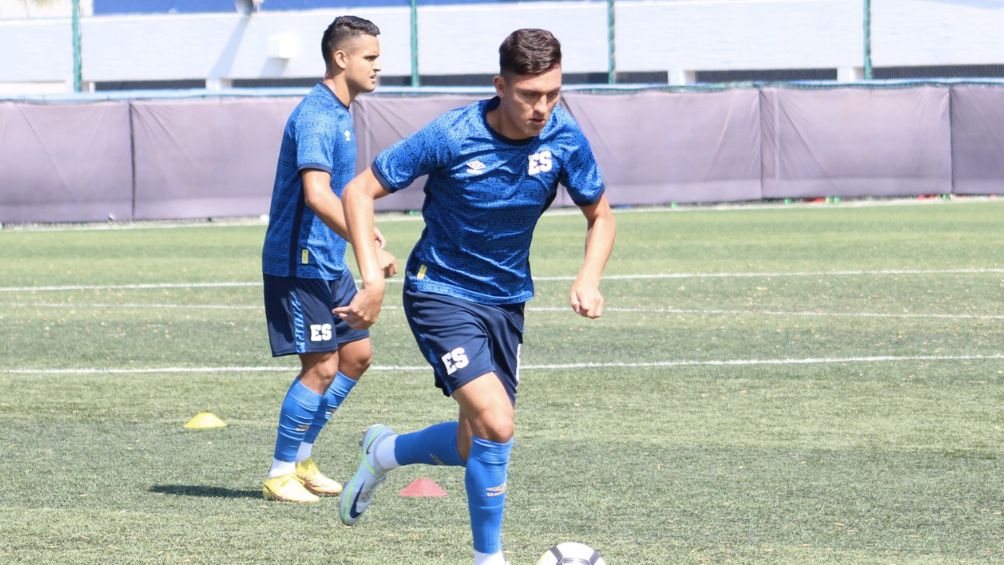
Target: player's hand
<point>380,239</point>
<point>585,299</point>
<point>387,262</point>
<point>363,311</point>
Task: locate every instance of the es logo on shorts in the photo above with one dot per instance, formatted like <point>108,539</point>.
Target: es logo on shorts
<point>454,360</point>
<point>320,332</point>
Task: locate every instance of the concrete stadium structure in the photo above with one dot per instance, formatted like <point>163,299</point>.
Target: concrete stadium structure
<point>668,41</point>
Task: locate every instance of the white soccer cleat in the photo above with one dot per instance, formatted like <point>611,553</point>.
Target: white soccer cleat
<point>357,494</point>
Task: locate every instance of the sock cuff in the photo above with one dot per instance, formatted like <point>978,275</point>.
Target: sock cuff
<point>304,396</point>
<point>489,451</point>
<point>342,385</point>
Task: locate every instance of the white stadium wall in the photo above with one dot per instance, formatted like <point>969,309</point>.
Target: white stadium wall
<point>32,59</point>
<point>678,37</point>
<point>464,39</point>
<point>221,47</point>
<point>20,9</point>
<point>937,32</point>
<point>689,36</point>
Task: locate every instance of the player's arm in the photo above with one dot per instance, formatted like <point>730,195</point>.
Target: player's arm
<point>584,296</point>
<point>318,195</point>
<point>358,198</point>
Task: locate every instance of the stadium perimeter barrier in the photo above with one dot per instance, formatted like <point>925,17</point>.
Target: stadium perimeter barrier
<point>179,155</point>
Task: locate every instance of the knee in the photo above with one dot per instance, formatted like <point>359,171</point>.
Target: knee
<point>496,425</point>
<point>322,373</point>
<point>356,365</point>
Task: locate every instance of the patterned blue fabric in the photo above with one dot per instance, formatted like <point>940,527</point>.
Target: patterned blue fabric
<point>318,135</point>
<point>483,198</point>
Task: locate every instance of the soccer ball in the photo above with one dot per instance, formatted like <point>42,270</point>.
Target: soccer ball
<point>571,553</point>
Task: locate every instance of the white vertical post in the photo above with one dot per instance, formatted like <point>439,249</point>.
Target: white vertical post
<point>217,83</point>
<point>850,74</point>
<point>682,77</point>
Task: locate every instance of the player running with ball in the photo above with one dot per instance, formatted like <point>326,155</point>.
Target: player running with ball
<point>493,167</point>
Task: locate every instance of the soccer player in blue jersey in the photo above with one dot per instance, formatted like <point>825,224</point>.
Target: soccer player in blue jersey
<point>303,259</point>
<point>493,167</point>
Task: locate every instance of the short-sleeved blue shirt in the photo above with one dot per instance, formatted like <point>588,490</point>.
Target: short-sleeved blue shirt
<point>318,135</point>
<point>483,198</point>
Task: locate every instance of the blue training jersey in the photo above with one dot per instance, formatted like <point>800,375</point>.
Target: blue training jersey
<point>483,198</point>
<point>318,135</point>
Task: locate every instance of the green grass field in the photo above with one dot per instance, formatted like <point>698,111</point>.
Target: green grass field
<point>789,384</point>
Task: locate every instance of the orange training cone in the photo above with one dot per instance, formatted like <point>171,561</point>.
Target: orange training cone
<point>422,487</point>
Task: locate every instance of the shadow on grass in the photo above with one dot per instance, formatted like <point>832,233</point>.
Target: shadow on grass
<point>205,491</point>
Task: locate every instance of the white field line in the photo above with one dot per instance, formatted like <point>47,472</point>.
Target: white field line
<point>545,367</point>
<point>755,274</point>
<point>652,276</point>
<point>139,286</point>
<point>715,312</point>
<point>686,311</point>
<point>139,306</point>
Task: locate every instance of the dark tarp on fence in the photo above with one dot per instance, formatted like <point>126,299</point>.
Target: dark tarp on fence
<point>65,163</point>
<point>977,140</point>
<point>658,147</point>
<point>215,157</point>
<point>205,158</point>
<point>856,142</point>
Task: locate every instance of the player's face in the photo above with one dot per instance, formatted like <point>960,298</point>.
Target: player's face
<point>361,59</point>
<point>527,102</point>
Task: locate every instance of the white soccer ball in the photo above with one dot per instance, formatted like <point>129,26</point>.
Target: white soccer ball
<point>571,553</point>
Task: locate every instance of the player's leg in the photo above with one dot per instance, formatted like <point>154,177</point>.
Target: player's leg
<point>434,445</point>
<point>435,321</point>
<point>300,322</point>
<point>451,334</point>
<point>300,407</point>
<point>355,353</point>
<point>487,425</point>
<point>486,412</point>
<point>320,372</point>
<point>353,360</point>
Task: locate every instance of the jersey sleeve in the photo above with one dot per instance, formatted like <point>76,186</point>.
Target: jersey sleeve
<point>419,154</point>
<point>580,174</point>
<point>315,141</point>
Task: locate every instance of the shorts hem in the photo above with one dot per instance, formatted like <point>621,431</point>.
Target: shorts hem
<point>288,352</point>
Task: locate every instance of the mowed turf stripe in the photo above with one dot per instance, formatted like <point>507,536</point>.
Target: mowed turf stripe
<point>652,276</point>
<point>609,309</point>
<point>544,367</point>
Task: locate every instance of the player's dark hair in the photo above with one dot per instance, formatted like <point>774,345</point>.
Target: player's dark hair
<point>343,29</point>
<point>529,52</point>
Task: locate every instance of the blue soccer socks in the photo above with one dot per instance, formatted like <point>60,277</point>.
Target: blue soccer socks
<point>435,445</point>
<point>332,399</point>
<point>299,409</point>
<point>485,480</point>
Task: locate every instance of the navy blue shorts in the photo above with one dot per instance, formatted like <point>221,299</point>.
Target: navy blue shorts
<point>463,340</point>
<point>298,313</point>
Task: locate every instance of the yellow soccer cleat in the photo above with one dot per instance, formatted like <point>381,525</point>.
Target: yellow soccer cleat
<point>287,488</point>
<point>315,481</point>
